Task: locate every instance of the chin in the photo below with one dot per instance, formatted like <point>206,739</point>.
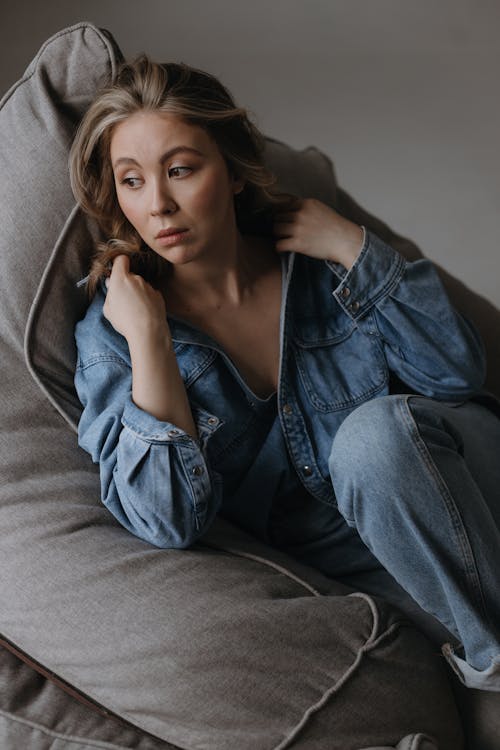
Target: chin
<point>179,254</point>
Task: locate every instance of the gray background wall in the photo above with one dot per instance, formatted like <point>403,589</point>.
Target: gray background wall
<point>402,94</point>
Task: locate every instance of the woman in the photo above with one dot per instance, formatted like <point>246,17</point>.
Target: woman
<point>264,357</point>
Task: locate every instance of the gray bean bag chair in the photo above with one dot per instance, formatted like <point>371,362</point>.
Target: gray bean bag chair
<point>106,641</point>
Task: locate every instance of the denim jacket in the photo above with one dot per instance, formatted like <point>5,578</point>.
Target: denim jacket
<point>345,337</point>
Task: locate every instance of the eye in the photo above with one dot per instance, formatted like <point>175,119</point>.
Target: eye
<point>132,182</point>
<point>176,169</point>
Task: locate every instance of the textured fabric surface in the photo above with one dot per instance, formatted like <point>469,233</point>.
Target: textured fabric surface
<point>411,742</point>
<point>226,645</point>
<point>36,714</point>
<point>480,311</point>
<point>480,714</point>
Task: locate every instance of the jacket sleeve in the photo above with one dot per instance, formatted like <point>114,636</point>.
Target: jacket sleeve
<point>155,478</point>
<point>484,315</point>
<point>426,342</point>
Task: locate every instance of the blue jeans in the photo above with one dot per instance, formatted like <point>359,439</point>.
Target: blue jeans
<point>417,485</point>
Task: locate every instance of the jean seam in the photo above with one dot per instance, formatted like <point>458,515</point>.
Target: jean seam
<point>461,536</point>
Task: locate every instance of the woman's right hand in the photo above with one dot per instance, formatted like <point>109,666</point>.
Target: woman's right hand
<point>132,306</point>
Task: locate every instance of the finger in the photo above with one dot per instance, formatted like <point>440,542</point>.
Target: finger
<point>121,264</point>
<point>284,246</point>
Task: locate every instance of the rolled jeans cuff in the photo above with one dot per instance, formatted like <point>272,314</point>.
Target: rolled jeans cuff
<point>486,679</point>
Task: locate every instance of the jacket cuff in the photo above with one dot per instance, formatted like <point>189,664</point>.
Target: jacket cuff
<point>374,274</point>
<point>152,430</point>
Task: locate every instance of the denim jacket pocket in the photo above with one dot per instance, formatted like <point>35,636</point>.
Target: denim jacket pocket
<point>342,371</point>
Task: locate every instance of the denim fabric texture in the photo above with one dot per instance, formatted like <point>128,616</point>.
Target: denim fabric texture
<point>341,335</point>
<point>332,433</point>
<point>426,503</point>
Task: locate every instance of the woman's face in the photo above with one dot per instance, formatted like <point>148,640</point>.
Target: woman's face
<point>170,174</point>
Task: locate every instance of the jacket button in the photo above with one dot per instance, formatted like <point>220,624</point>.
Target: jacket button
<point>173,433</point>
<point>287,409</point>
<point>354,307</point>
<point>213,420</point>
<point>345,292</point>
<point>307,470</point>
<point>197,471</point>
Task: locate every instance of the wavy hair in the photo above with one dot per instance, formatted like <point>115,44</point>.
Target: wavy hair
<point>194,96</point>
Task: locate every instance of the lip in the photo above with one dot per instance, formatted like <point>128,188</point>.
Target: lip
<point>170,231</point>
<point>170,236</point>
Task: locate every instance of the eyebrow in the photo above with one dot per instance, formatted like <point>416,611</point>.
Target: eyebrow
<point>163,157</point>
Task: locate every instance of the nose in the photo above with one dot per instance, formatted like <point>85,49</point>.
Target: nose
<point>162,202</point>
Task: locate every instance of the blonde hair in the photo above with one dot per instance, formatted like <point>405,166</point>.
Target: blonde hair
<point>199,99</point>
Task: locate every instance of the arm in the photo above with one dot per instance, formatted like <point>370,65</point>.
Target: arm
<point>484,315</point>
<point>403,304</point>
<point>154,475</point>
<point>426,343</point>
<point>137,312</point>
<point>153,365</point>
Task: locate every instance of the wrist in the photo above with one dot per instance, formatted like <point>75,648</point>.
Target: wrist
<point>348,252</point>
<point>151,338</point>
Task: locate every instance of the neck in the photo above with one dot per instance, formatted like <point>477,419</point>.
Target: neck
<point>224,281</point>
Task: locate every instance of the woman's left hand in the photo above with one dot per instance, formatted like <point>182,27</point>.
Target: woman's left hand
<point>313,228</point>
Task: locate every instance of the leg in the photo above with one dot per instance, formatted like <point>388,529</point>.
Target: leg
<point>420,481</point>
<point>317,534</point>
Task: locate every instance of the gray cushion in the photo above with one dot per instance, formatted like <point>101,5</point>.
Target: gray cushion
<point>36,714</point>
<point>226,645</point>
